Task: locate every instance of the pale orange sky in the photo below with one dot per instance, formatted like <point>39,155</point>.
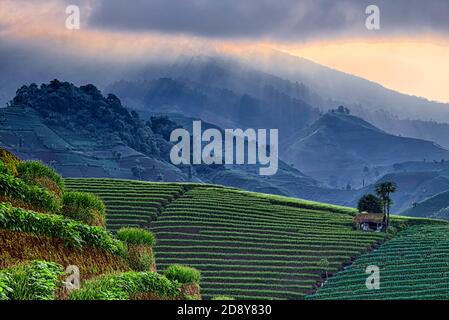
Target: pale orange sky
<point>418,66</point>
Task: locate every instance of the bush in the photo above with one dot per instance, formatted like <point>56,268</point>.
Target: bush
<point>4,169</point>
<point>17,189</point>
<point>10,161</point>
<point>36,173</point>
<point>73,233</point>
<point>123,286</point>
<point>84,207</point>
<point>136,236</point>
<point>37,280</point>
<point>183,274</point>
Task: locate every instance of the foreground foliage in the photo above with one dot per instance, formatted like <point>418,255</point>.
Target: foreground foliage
<point>73,233</point>
<point>36,173</point>
<point>136,236</point>
<point>84,207</point>
<point>37,280</point>
<point>124,286</point>
<point>182,274</point>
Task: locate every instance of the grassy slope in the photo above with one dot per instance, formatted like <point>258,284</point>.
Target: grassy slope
<point>414,265</point>
<point>20,247</point>
<point>246,245</point>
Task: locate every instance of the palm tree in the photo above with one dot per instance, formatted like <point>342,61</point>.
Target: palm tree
<point>384,190</point>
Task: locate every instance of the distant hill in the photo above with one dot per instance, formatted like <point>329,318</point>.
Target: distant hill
<point>82,133</point>
<point>263,74</point>
<point>436,206</point>
<point>413,187</point>
<point>342,146</point>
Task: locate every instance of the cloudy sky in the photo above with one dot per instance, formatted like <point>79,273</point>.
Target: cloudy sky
<point>410,52</point>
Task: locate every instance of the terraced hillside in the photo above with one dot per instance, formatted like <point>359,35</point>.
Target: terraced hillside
<point>414,265</point>
<point>246,245</point>
<point>129,203</point>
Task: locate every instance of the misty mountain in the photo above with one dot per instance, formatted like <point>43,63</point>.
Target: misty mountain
<point>82,133</point>
<point>269,72</point>
<point>340,148</point>
<point>221,106</point>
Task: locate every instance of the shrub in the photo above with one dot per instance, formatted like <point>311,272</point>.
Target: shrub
<point>17,189</point>
<point>123,286</point>
<point>182,274</point>
<point>37,280</point>
<point>73,233</point>
<point>10,161</point>
<point>84,207</point>
<point>4,169</point>
<point>36,173</point>
<point>222,298</point>
<point>136,236</point>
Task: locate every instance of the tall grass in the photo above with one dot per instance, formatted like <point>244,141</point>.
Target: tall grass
<point>84,207</point>
<point>182,274</point>
<point>36,173</point>
<point>124,286</point>
<point>37,280</point>
<point>136,236</point>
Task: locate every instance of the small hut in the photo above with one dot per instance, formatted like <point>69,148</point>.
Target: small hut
<point>370,221</point>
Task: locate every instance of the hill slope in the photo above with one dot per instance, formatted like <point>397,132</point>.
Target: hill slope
<point>246,245</point>
<point>412,266</point>
<point>338,144</point>
<point>433,207</point>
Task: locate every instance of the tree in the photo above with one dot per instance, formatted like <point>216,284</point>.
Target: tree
<point>384,190</point>
<point>369,203</point>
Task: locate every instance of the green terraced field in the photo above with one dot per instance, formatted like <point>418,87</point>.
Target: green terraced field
<point>414,265</point>
<point>246,245</point>
<point>128,203</point>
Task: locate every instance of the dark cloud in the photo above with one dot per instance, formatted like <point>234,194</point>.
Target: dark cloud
<point>278,19</point>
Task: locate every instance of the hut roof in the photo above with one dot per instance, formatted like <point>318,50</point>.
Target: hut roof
<point>369,217</point>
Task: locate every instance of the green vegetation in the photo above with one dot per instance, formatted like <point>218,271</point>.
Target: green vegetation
<point>136,236</point>
<point>37,280</point>
<point>125,286</point>
<point>10,161</point>
<point>413,265</point>
<point>36,173</point>
<point>246,245</point>
<point>17,190</point>
<point>129,203</point>
<point>84,207</point>
<point>182,274</point>
<point>73,233</point>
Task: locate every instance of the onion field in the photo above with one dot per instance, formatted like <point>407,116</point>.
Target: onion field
<point>128,203</point>
<point>413,265</point>
<point>246,245</point>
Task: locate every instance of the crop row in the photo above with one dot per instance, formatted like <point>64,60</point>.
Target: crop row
<point>411,266</point>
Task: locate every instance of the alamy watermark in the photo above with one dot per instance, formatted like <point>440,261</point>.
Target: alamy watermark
<point>208,147</point>
<point>73,19</point>
<point>373,280</point>
<point>372,22</point>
